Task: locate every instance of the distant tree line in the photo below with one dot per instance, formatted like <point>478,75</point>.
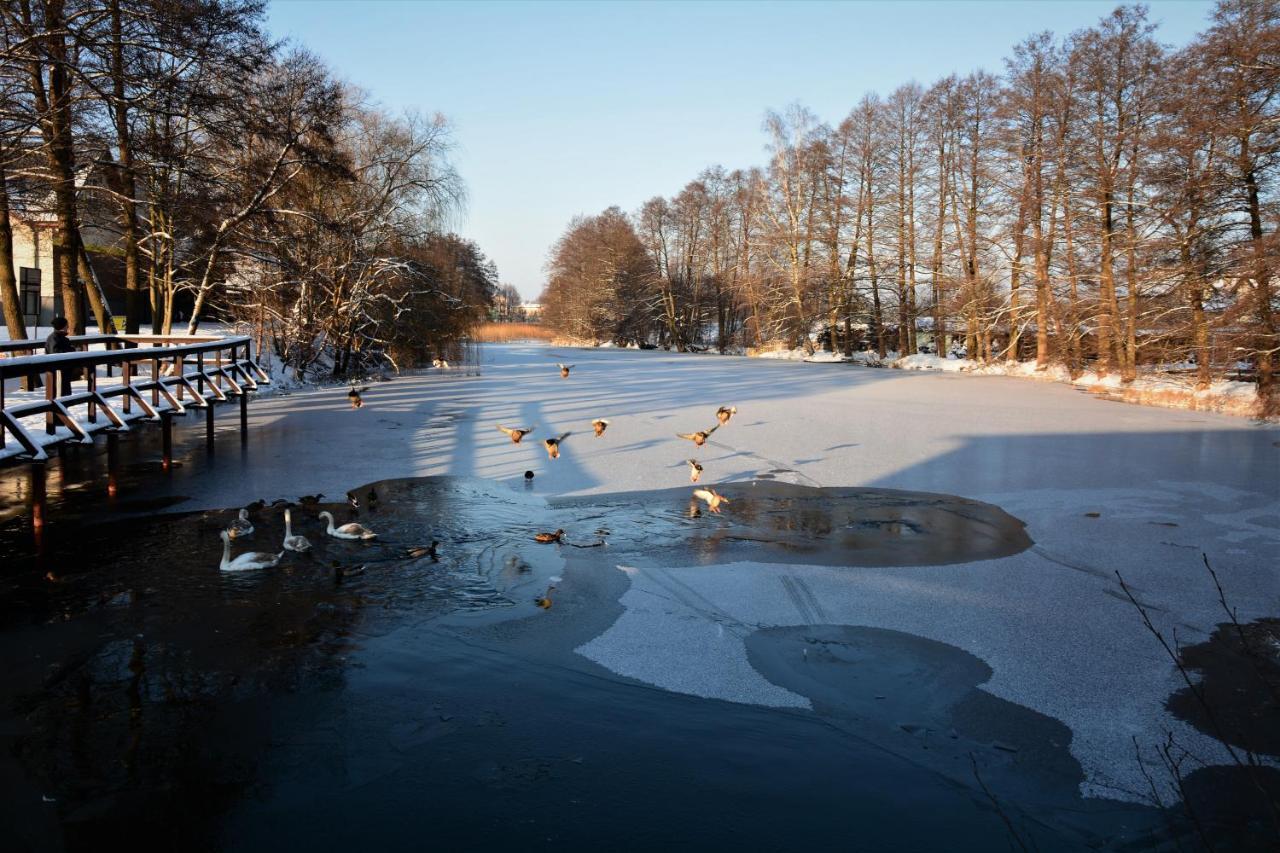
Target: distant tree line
<point>233,176</point>
<point>1105,202</point>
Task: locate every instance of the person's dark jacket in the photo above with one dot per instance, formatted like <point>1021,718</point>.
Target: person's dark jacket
<point>58,342</point>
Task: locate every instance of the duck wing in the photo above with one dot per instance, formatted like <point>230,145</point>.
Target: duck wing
<point>704,494</point>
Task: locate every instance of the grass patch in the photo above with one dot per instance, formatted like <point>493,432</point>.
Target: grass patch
<point>501,333</point>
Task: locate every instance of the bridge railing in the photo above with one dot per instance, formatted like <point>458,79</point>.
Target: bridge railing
<point>159,376</point>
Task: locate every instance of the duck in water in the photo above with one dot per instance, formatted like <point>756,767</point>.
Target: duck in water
<point>549,537</point>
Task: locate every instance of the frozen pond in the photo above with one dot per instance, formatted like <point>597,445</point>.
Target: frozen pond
<point>910,595</point>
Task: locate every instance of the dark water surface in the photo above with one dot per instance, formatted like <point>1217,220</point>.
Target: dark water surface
<point>358,697</point>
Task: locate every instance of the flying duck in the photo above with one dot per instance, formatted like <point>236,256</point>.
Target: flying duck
<point>726,412</point>
<point>712,497</point>
<point>517,433</point>
<point>553,445</point>
<point>698,438</point>
<point>564,369</point>
<point>695,470</point>
<point>600,425</point>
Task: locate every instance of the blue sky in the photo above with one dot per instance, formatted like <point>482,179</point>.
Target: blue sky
<point>562,108</point>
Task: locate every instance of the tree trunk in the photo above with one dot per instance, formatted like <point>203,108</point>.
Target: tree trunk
<point>97,298</point>
<point>10,299</point>
<point>56,126</point>
<point>127,179</point>
<point>1106,292</point>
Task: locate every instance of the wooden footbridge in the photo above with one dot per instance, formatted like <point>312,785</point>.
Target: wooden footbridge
<point>117,382</point>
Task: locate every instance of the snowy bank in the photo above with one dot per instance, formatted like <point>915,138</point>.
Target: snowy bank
<point>1155,389</point>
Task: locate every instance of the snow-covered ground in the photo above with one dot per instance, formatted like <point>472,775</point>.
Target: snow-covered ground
<point>1102,487</point>
<point>1155,389</point>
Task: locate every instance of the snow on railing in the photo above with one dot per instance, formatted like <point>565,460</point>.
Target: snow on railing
<point>159,376</point>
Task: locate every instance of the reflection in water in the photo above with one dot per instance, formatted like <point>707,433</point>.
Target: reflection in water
<point>123,640</point>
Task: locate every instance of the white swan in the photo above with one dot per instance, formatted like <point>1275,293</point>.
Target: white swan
<point>297,543</point>
<point>242,526</point>
<point>348,531</point>
<point>248,560</point>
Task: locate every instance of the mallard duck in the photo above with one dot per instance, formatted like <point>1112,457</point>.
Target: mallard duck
<point>257,506</point>
<point>549,537</point>
<point>544,600</point>
<point>599,425</point>
<point>340,571</point>
<point>695,470</point>
<point>553,445</point>
<point>698,438</point>
<point>712,497</point>
<point>564,369</point>
<point>241,527</point>
<point>297,543</point>
<point>350,530</point>
<point>354,398</point>
<point>419,551</point>
<point>517,433</point>
<point>310,500</point>
<point>246,561</point>
<point>726,412</point>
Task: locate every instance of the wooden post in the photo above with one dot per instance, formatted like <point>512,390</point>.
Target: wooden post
<point>126,379</point>
<point>244,415</point>
<point>208,425</point>
<point>50,391</point>
<point>155,382</point>
<point>91,383</point>
<point>200,370</point>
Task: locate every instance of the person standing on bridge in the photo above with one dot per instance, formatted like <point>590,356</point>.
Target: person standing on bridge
<point>59,342</point>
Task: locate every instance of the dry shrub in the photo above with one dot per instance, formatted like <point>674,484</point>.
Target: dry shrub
<point>501,333</point>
